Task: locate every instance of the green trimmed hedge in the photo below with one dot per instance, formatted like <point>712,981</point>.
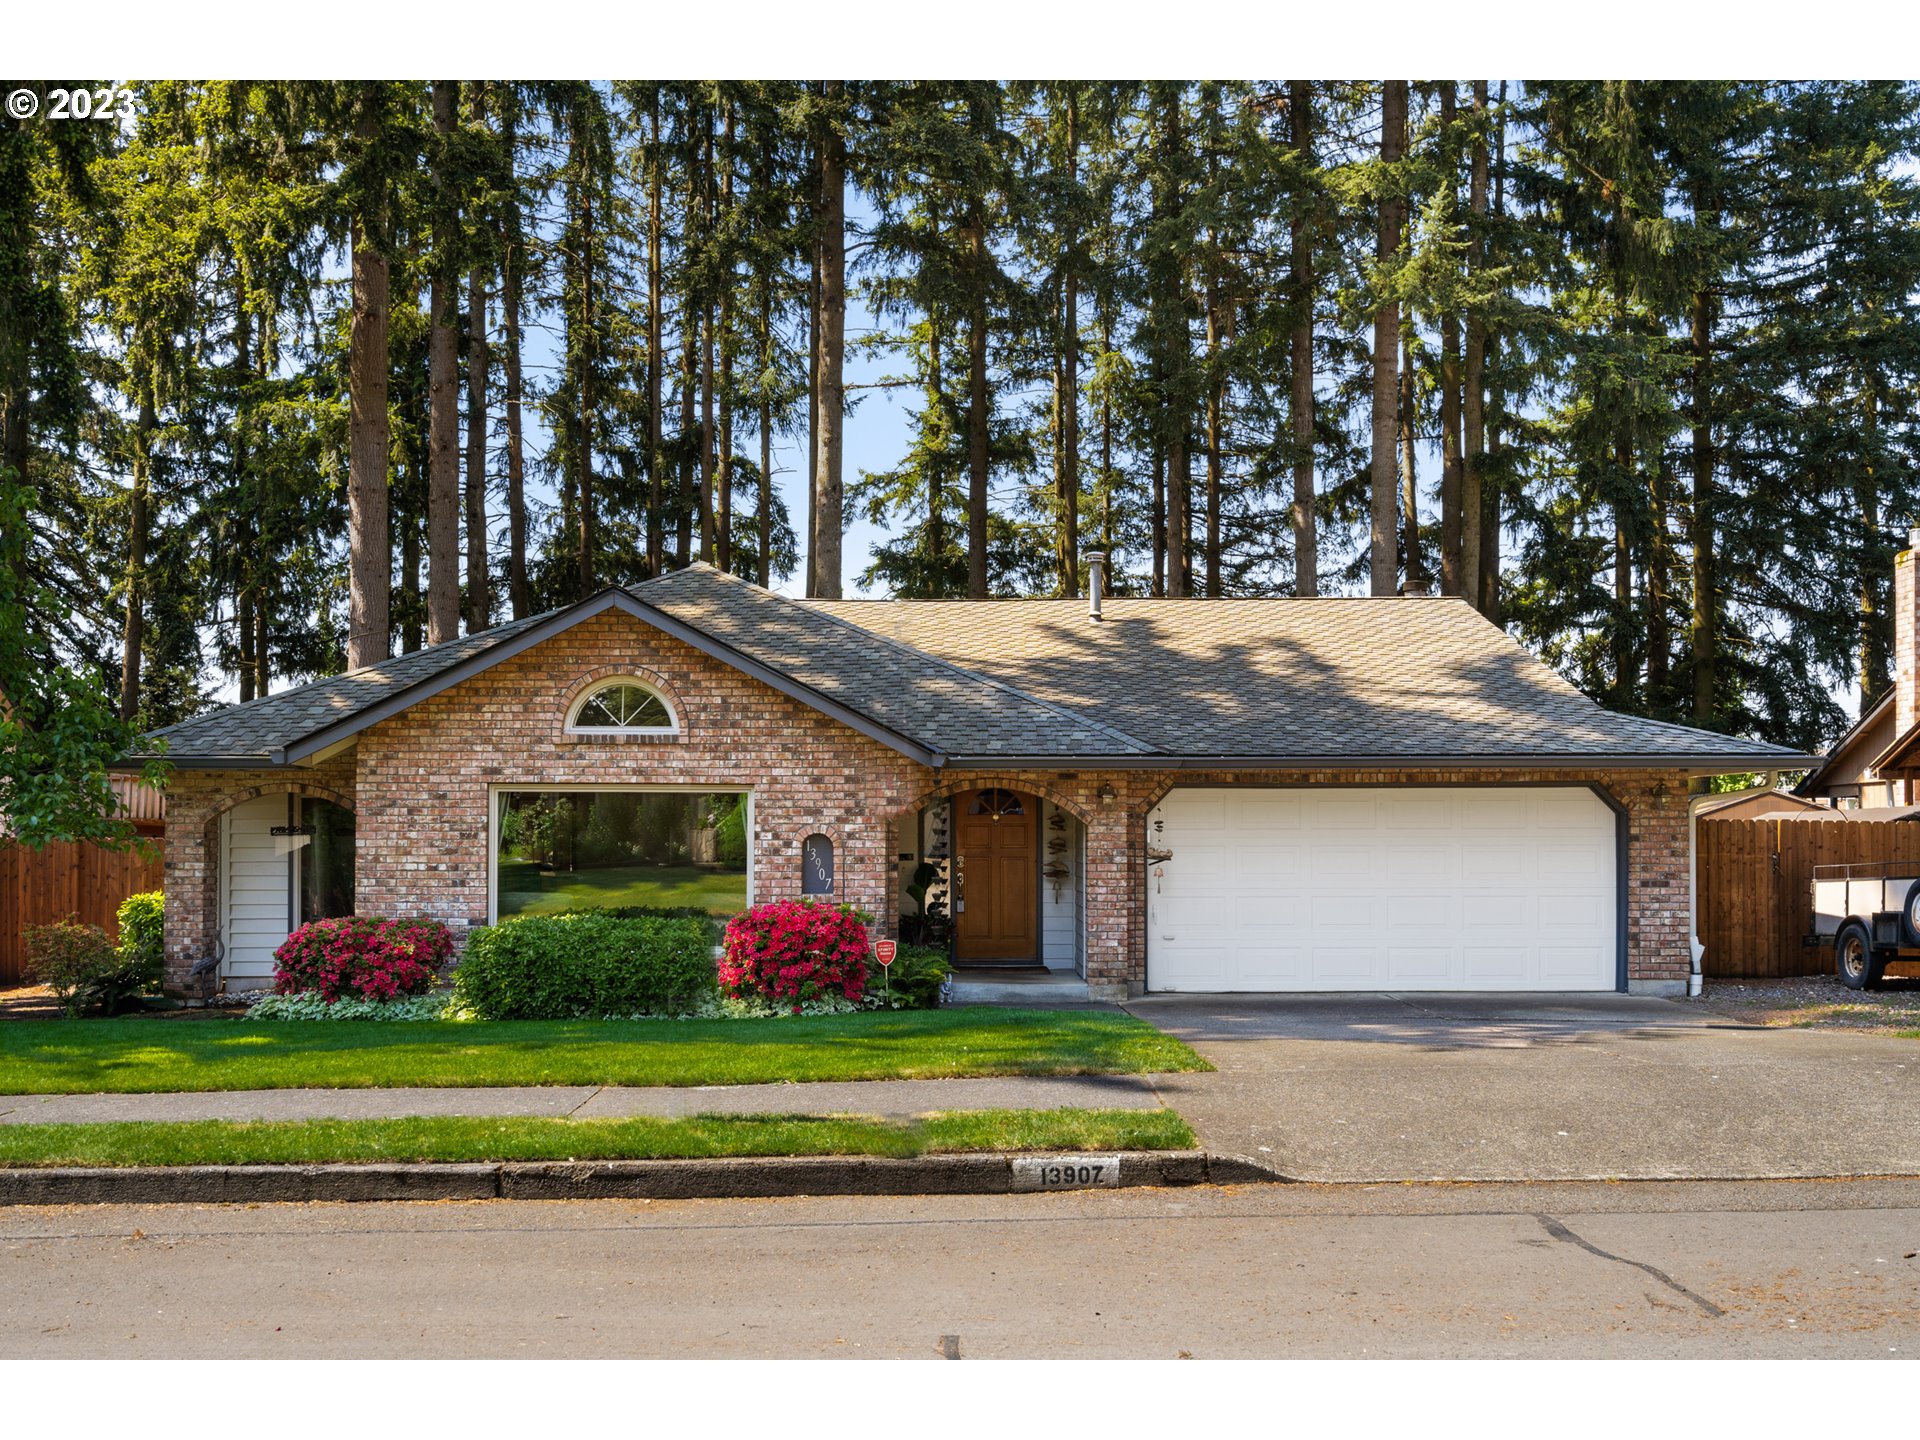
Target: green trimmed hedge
<point>585,965</point>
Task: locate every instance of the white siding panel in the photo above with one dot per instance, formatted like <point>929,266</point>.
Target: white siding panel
<point>256,891</point>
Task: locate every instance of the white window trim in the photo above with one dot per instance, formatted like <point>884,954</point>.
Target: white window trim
<point>605,682</point>
<point>494,792</point>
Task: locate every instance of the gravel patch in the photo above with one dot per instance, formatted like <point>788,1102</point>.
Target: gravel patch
<point>1817,1002</point>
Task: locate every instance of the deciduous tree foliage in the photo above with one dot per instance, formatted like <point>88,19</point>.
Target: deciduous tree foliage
<point>295,374</point>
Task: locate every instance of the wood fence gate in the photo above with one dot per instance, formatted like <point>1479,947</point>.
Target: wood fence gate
<point>38,887</point>
<point>1756,886</point>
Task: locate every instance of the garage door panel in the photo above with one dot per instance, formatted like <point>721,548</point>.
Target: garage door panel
<point>1345,864</point>
<point>1497,914</point>
<point>1433,887</point>
<point>1344,810</point>
<point>1492,965</point>
<point>1429,913</point>
<point>1268,912</point>
<point>1272,812</point>
<point>1270,965</point>
<point>1417,964</point>
<point>1422,866</point>
<point>1566,962</point>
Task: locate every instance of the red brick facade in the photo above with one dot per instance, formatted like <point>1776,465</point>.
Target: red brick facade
<point>419,785</point>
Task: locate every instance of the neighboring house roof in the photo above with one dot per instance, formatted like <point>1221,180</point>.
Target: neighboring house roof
<point>1772,805</point>
<point>1350,682</point>
<point>1853,753</point>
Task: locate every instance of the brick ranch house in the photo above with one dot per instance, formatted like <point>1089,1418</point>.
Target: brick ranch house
<point>1207,795</point>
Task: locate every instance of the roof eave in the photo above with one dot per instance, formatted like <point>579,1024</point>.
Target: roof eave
<point>1695,764</point>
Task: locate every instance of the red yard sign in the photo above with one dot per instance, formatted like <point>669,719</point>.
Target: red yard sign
<point>884,951</point>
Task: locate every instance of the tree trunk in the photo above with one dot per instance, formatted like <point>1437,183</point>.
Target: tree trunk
<point>519,593</point>
<point>443,365</point>
<point>705,322</point>
<point>656,358</point>
<point>1418,579</point>
<point>1386,348</point>
<point>1160,545</point>
<point>1216,436</point>
<point>1490,492</point>
<point>1450,523</point>
<point>723,499</point>
<point>1179,508</point>
<point>763,501</point>
<point>1473,379</point>
<point>262,661</point>
<point>707,457</point>
<point>1874,666</point>
<point>243,636</point>
<point>133,636</point>
<point>370,552</point>
<point>1626,668</point>
<point>1068,466</point>
<point>586,355</point>
<point>1306,549</point>
<point>479,600</point>
<point>1706,628</point>
<point>977,417</point>
<point>830,331</point>
<point>1659,629</point>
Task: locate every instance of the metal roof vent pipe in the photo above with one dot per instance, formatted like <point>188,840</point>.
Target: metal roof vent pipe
<point>1096,581</point>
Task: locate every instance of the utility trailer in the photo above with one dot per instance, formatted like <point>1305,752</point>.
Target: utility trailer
<point>1870,914</point>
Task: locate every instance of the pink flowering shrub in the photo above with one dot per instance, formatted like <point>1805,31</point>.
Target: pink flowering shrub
<point>361,957</point>
<point>793,951</point>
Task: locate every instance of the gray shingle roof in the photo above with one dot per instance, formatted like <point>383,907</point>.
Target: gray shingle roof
<point>1412,678</point>
<point>253,731</point>
<point>1415,680</point>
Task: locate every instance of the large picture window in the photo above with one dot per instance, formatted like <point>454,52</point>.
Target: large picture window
<point>560,850</point>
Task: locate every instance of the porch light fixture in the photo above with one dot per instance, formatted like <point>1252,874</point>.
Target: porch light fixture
<point>1659,794</point>
<point>1105,793</point>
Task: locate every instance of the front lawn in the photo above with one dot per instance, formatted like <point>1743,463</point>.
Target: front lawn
<point>137,1055</point>
<point>451,1138</point>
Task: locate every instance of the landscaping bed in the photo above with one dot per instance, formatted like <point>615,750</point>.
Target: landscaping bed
<point>136,1055</point>
<point>1819,1002</point>
<point>472,1139</point>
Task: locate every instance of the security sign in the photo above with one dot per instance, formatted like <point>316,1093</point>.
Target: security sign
<point>884,951</point>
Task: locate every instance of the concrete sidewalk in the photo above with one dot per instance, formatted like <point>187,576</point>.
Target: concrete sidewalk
<point>886,1098</point>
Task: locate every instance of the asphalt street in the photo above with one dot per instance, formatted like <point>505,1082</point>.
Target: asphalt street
<point>1759,1269</point>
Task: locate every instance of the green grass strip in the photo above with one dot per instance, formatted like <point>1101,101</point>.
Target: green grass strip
<point>459,1138</point>
<point>146,1055</point>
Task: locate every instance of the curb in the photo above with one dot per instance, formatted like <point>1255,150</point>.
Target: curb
<point>758,1177</point>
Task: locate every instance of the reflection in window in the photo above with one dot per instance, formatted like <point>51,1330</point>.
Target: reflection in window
<point>996,803</point>
<point>561,850</point>
<point>622,705</point>
<point>326,860</point>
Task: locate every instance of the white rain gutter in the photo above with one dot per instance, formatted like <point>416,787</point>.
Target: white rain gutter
<point>1696,978</point>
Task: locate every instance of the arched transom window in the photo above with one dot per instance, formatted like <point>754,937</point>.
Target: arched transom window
<point>622,707</point>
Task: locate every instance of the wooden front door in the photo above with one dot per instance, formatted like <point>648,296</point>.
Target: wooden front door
<point>995,832</point>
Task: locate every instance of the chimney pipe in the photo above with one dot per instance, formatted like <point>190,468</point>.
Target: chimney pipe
<point>1096,581</point>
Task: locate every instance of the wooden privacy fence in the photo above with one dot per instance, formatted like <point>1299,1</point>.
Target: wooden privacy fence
<point>1756,886</point>
<point>66,878</point>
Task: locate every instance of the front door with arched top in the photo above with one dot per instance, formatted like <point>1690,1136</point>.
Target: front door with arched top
<point>998,861</point>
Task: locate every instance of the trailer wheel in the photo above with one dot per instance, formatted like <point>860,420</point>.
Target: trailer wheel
<point>1854,959</point>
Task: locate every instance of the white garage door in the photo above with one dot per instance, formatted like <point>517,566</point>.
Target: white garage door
<point>1356,888</point>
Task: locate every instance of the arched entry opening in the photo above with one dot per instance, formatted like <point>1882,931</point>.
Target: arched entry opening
<point>994,873</point>
<point>285,859</point>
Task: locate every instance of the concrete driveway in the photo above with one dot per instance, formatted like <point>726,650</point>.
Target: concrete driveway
<point>1377,1087</point>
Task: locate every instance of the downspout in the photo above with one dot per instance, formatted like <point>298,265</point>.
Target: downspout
<point>1696,978</point>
